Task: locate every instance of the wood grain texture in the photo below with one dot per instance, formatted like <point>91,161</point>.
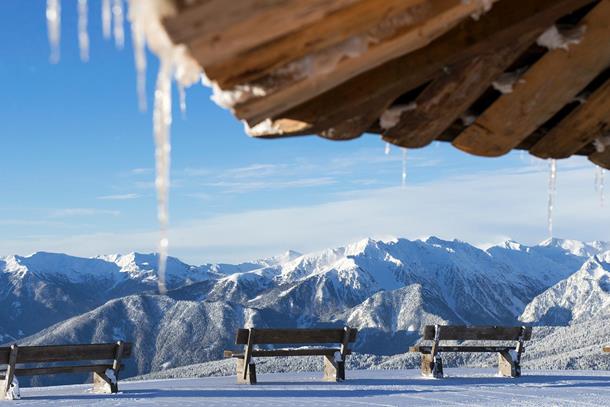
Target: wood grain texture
<point>443,15</point>
<point>57,353</point>
<point>372,92</point>
<point>547,86</point>
<point>218,29</point>
<point>322,34</point>
<point>460,332</point>
<point>586,123</point>
<point>295,336</point>
<point>449,96</point>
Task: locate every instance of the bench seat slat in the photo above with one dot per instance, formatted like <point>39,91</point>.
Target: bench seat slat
<point>294,336</point>
<point>58,353</point>
<point>483,333</point>
<point>286,352</point>
<point>457,348</point>
<point>37,371</point>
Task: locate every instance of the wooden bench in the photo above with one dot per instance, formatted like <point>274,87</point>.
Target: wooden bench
<point>509,357</point>
<point>334,358</point>
<point>105,375</point>
<point>606,349</point>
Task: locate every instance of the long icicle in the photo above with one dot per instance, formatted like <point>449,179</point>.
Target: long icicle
<point>552,192</point>
<point>117,15</point>
<point>602,197</point>
<point>83,35</point>
<point>53,14</point>
<point>182,96</point>
<point>404,167</point>
<point>106,18</point>
<point>162,120</point>
<point>139,53</point>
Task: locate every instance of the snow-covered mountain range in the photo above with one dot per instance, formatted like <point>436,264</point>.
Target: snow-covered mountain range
<point>387,289</point>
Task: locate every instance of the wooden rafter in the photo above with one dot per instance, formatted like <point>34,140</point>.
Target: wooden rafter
<point>450,95</point>
<point>581,127</point>
<point>369,94</point>
<point>515,116</point>
<point>215,30</point>
<point>290,90</point>
<point>601,158</point>
<point>336,28</point>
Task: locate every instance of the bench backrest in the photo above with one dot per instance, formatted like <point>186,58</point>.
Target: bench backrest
<point>293,336</point>
<point>60,353</point>
<point>482,333</point>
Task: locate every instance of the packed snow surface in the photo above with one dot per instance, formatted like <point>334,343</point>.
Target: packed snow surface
<point>462,387</point>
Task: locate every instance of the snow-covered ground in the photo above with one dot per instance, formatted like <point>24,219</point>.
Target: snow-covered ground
<point>462,387</point>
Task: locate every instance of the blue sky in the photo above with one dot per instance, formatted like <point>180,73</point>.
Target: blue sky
<point>77,158</point>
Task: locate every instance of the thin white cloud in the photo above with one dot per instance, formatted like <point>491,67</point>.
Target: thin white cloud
<point>118,197</point>
<point>76,212</point>
<point>478,208</point>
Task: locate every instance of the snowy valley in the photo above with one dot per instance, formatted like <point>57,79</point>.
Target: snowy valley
<point>387,289</point>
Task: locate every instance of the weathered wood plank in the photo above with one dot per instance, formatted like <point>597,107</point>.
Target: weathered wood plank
<point>217,29</point>
<point>458,348</point>
<point>334,29</point>
<point>248,351</point>
<point>297,336</point>
<point>513,117</point>
<point>287,352</point>
<point>496,333</point>
<point>56,353</point>
<point>38,371</point>
<point>294,90</point>
<point>579,128</point>
<point>375,89</point>
<point>450,95</point>
<point>10,371</point>
<point>601,158</point>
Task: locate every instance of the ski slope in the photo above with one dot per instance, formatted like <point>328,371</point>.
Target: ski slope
<point>463,387</point>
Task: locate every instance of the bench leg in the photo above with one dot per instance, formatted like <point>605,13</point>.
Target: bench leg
<point>250,378</point>
<point>431,366</point>
<point>508,367</point>
<point>334,371</point>
<point>104,384</point>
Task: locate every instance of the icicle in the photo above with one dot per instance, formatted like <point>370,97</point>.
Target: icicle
<point>106,18</point>
<point>139,55</point>
<point>83,35</point>
<point>117,14</point>
<point>404,167</point>
<point>387,149</point>
<point>182,96</point>
<point>599,184</point>
<point>552,192</point>
<point>162,120</point>
<point>54,28</point>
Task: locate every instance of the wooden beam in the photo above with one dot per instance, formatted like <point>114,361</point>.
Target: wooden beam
<point>217,29</point>
<point>547,86</point>
<point>581,127</point>
<point>449,96</point>
<point>290,90</point>
<point>601,158</point>
<point>335,28</point>
<point>375,89</point>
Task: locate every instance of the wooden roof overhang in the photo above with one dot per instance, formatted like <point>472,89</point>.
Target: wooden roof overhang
<point>334,68</point>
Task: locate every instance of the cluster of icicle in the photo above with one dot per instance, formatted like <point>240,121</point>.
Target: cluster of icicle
<point>175,64</point>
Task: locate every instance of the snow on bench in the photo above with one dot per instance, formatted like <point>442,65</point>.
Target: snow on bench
<point>334,358</point>
<point>509,357</point>
<point>105,375</point>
